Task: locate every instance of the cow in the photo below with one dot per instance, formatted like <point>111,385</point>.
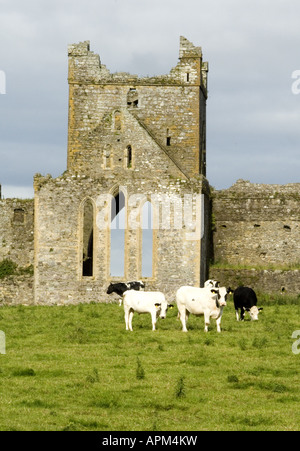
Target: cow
<point>206,301</point>
<point>153,302</point>
<point>245,299</point>
<point>212,283</point>
<point>121,287</point>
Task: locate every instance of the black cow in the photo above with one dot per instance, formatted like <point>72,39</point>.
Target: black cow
<point>245,299</point>
<point>121,287</point>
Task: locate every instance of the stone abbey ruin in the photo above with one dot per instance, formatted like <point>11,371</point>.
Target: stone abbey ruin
<point>135,142</point>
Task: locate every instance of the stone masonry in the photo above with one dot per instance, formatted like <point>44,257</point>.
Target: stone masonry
<point>257,224</point>
<point>142,137</point>
<point>134,140</point>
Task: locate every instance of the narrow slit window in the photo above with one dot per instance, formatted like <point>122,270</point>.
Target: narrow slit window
<point>129,157</point>
<point>168,141</point>
<point>88,240</point>
<point>188,76</point>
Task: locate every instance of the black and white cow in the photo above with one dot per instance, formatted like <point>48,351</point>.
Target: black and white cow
<point>245,300</point>
<point>121,287</point>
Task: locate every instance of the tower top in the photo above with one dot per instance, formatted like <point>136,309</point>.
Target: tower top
<point>188,50</point>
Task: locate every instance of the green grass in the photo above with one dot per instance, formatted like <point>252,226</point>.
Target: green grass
<point>76,368</point>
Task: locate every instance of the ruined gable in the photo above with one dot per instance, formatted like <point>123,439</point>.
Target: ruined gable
<point>139,139</point>
<point>171,108</point>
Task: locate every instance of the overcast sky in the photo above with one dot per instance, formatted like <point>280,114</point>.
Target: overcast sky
<point>252,46</point>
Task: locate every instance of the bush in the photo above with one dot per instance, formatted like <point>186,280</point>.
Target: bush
<point>10,268</point>
<point>140,372</point>
<point>7,268</point>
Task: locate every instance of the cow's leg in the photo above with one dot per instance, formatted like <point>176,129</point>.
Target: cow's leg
<point>187,314</point>
<point>237,315</point>
<point>206,320</point>
<point>182,314</point>
<point>218,322</point>
<point>153,316</point>
<point>126,310</point>
<point>120,301</point>
<point>242,314</point>
<point>130,319</point>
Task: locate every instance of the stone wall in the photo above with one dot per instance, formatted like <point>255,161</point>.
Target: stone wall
<point>171,108</point>
<point>16,231</point>
<point>262,281</point>
<point>143,137</point>
<point>59,206</point>
<point>257,224</point>
<point>15,290</point>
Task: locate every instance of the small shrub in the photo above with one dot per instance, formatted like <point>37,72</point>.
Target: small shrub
<point>232,379</point>
<point>140,372</point>
<point>94,377</point>
<point>7,268</point>
<point>180,389</point>
<point>259,343</point>
<point>24,372</point>
<point>242,344</point>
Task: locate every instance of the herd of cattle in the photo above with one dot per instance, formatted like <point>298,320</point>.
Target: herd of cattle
<point>208,301</point>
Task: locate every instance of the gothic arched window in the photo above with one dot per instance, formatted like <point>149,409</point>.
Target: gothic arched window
<point>88,239</point>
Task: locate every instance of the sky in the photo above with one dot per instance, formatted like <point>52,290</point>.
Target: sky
<point>253,50</point>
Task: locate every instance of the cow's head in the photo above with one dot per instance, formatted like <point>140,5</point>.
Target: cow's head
<point>223,293</point>
<point>216,296</point>
<point>254,311</point>
<point>110,289</point>
<point>162,309</point>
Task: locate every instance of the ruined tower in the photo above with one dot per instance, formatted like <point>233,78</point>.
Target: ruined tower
<point>132,141</point>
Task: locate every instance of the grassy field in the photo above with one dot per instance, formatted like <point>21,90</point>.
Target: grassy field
<point>76,368</point>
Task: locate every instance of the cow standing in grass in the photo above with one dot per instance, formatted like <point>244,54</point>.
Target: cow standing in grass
<point>207,301</point>
<point>153,302</point>
<point>121,287</point>
<point>245,300</point>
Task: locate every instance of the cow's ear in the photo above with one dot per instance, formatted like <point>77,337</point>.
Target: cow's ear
<point>214,291</point>
<point>260,309</point>
<point>170,306</point>
<point>229,291</point>
<point>157,305</point>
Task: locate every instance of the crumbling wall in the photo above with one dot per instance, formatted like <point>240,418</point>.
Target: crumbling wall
<point>261,280</point>
<point>256,236</point>
<point>17,289</point>
<point>171,108</point>
<point>177,258</point>
<point>257,224</point>
<point>16,231</point>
